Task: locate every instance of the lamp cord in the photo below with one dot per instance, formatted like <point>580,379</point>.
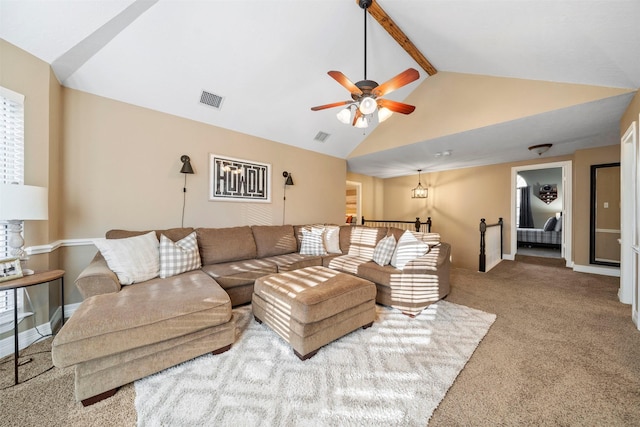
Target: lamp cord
<point>184,198</point>
<point>284,202</point>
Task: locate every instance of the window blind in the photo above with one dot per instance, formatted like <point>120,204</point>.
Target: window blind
<point>11,169</point>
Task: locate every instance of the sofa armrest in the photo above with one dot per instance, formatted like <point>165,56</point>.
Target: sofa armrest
<point>97,279</point>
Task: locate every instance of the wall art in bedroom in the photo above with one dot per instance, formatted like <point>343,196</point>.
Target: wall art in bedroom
<point>238,180</point>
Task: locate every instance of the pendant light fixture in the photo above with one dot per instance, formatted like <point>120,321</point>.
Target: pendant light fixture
<point>419,192</point>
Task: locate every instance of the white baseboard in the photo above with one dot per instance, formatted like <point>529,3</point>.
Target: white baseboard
<point>28,337</point>
<point>592,269</point>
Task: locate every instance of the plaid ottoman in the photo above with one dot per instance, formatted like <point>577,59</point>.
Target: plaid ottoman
<point>313,306</point>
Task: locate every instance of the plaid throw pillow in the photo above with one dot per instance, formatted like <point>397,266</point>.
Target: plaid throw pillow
<point>312,243</point>
<point>178,257</point>
<point>384,251</point>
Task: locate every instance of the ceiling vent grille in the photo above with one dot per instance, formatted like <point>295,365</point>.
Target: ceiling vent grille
<point>321,136</point>
<point>211,99</point>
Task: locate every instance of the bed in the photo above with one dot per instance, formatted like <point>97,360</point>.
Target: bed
<point>549,235</point>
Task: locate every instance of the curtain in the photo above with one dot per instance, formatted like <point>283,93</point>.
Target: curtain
<point>526,217</point>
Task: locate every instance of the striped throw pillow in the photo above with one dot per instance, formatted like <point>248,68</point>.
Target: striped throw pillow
<point>408,249</point>
<point>312,242</point>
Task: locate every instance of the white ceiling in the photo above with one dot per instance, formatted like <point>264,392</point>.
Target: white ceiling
<point>269,59</point>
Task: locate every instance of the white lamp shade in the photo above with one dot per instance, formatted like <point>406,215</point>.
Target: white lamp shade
<point>368,105</point>
<point>345,115</point>
<point>383,114</point>
<point>23,202</point>
<point>362,122</point>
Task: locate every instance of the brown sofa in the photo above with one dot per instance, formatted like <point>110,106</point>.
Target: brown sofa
<point>123,333</point>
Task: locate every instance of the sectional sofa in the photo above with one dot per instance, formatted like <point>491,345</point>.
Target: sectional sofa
<point>182,307</point>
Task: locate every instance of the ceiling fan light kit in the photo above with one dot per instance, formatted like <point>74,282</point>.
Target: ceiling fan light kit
<point>367,95</point>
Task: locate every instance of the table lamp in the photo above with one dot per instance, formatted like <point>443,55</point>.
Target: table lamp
<point>21,203</point>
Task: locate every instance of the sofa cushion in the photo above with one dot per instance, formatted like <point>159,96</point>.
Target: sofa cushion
<point>294,261</point>
<point>407,249</point>
<point>431,238</point>
<point>384,250</point>
<point>140,315</point>
<point>274,240</point>
<point>133,259</point>
<point>239,273</point>
<point>364,240</point>
<point>174,234</point>
<point>178,257</point>
<point>348,263</point>
<point>219,245</point>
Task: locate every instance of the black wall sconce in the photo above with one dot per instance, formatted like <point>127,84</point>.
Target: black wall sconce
<point>288,181</point>
<point>186,169</point>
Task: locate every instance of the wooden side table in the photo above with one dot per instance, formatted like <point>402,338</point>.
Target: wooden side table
<point>35,279</point>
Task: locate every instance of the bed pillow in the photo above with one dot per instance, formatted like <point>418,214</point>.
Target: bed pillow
<point>133,259</point>
<point>408,249</point>
<point>384,251</point>
<point>558,226</point>
<point>178,257</point>
<point>550,224</point>
<point>312,242</point>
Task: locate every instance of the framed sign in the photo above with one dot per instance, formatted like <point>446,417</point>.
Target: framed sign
<point>237,180</point>
<point>10,269</point>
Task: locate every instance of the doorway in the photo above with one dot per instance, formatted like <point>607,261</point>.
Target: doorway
<point>549,191</point>
<point>353,202</point>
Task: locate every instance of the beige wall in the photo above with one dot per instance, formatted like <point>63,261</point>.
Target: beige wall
<point>582,161</point>
<point>121,170</point>
<point>31,77</point>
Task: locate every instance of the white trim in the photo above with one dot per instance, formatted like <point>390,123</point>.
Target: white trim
<point>567,207</point>
<point>28,337</point>
<point>50,247</point>
<point>592,269</point>
<point>628,174</point>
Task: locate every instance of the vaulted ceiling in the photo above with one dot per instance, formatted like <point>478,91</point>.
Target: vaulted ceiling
<point>510,73</point>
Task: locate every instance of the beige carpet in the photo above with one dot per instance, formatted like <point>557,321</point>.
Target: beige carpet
<point>563,351</point>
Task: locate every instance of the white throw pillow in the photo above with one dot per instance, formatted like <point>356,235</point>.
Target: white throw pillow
<point>384,250</point>
<point>178,257</point>
<point>134,259</point>
<point>332,239</point>
<point>407,249</point>
<point>312,242</point>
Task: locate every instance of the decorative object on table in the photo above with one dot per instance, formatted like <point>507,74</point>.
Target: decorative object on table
<point>10,269</point>
<point>186,169</point>
<point>366,102</point>
<point>20,203</point>
<point>540,149</point>
<point>238,180</point>
<point>419,192</point>
<point>288,181</point>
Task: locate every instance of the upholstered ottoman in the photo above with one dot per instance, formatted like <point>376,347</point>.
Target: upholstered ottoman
<point>313,306</point>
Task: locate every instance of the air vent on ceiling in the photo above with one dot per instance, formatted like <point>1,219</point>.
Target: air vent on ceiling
<point>321,136</point>
<point>211,99</point>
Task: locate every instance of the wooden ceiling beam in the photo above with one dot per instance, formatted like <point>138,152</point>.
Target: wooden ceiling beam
<point>398,35</point>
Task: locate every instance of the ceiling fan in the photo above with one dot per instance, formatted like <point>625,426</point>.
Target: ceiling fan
<point>366,95</point>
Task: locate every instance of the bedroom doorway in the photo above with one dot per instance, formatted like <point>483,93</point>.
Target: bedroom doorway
<point>541,210</point>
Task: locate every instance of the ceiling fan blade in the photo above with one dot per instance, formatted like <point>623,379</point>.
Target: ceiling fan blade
<point>345,82</point>
<point>407,76</point>
<point>356,116</point>
<point>396,107</point>
<point>335,104</point>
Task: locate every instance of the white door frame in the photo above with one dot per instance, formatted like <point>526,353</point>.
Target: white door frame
<point>627,293</point>
<point>567,208</point>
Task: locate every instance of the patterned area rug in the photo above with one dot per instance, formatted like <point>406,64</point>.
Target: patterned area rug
<point>394,373</point>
